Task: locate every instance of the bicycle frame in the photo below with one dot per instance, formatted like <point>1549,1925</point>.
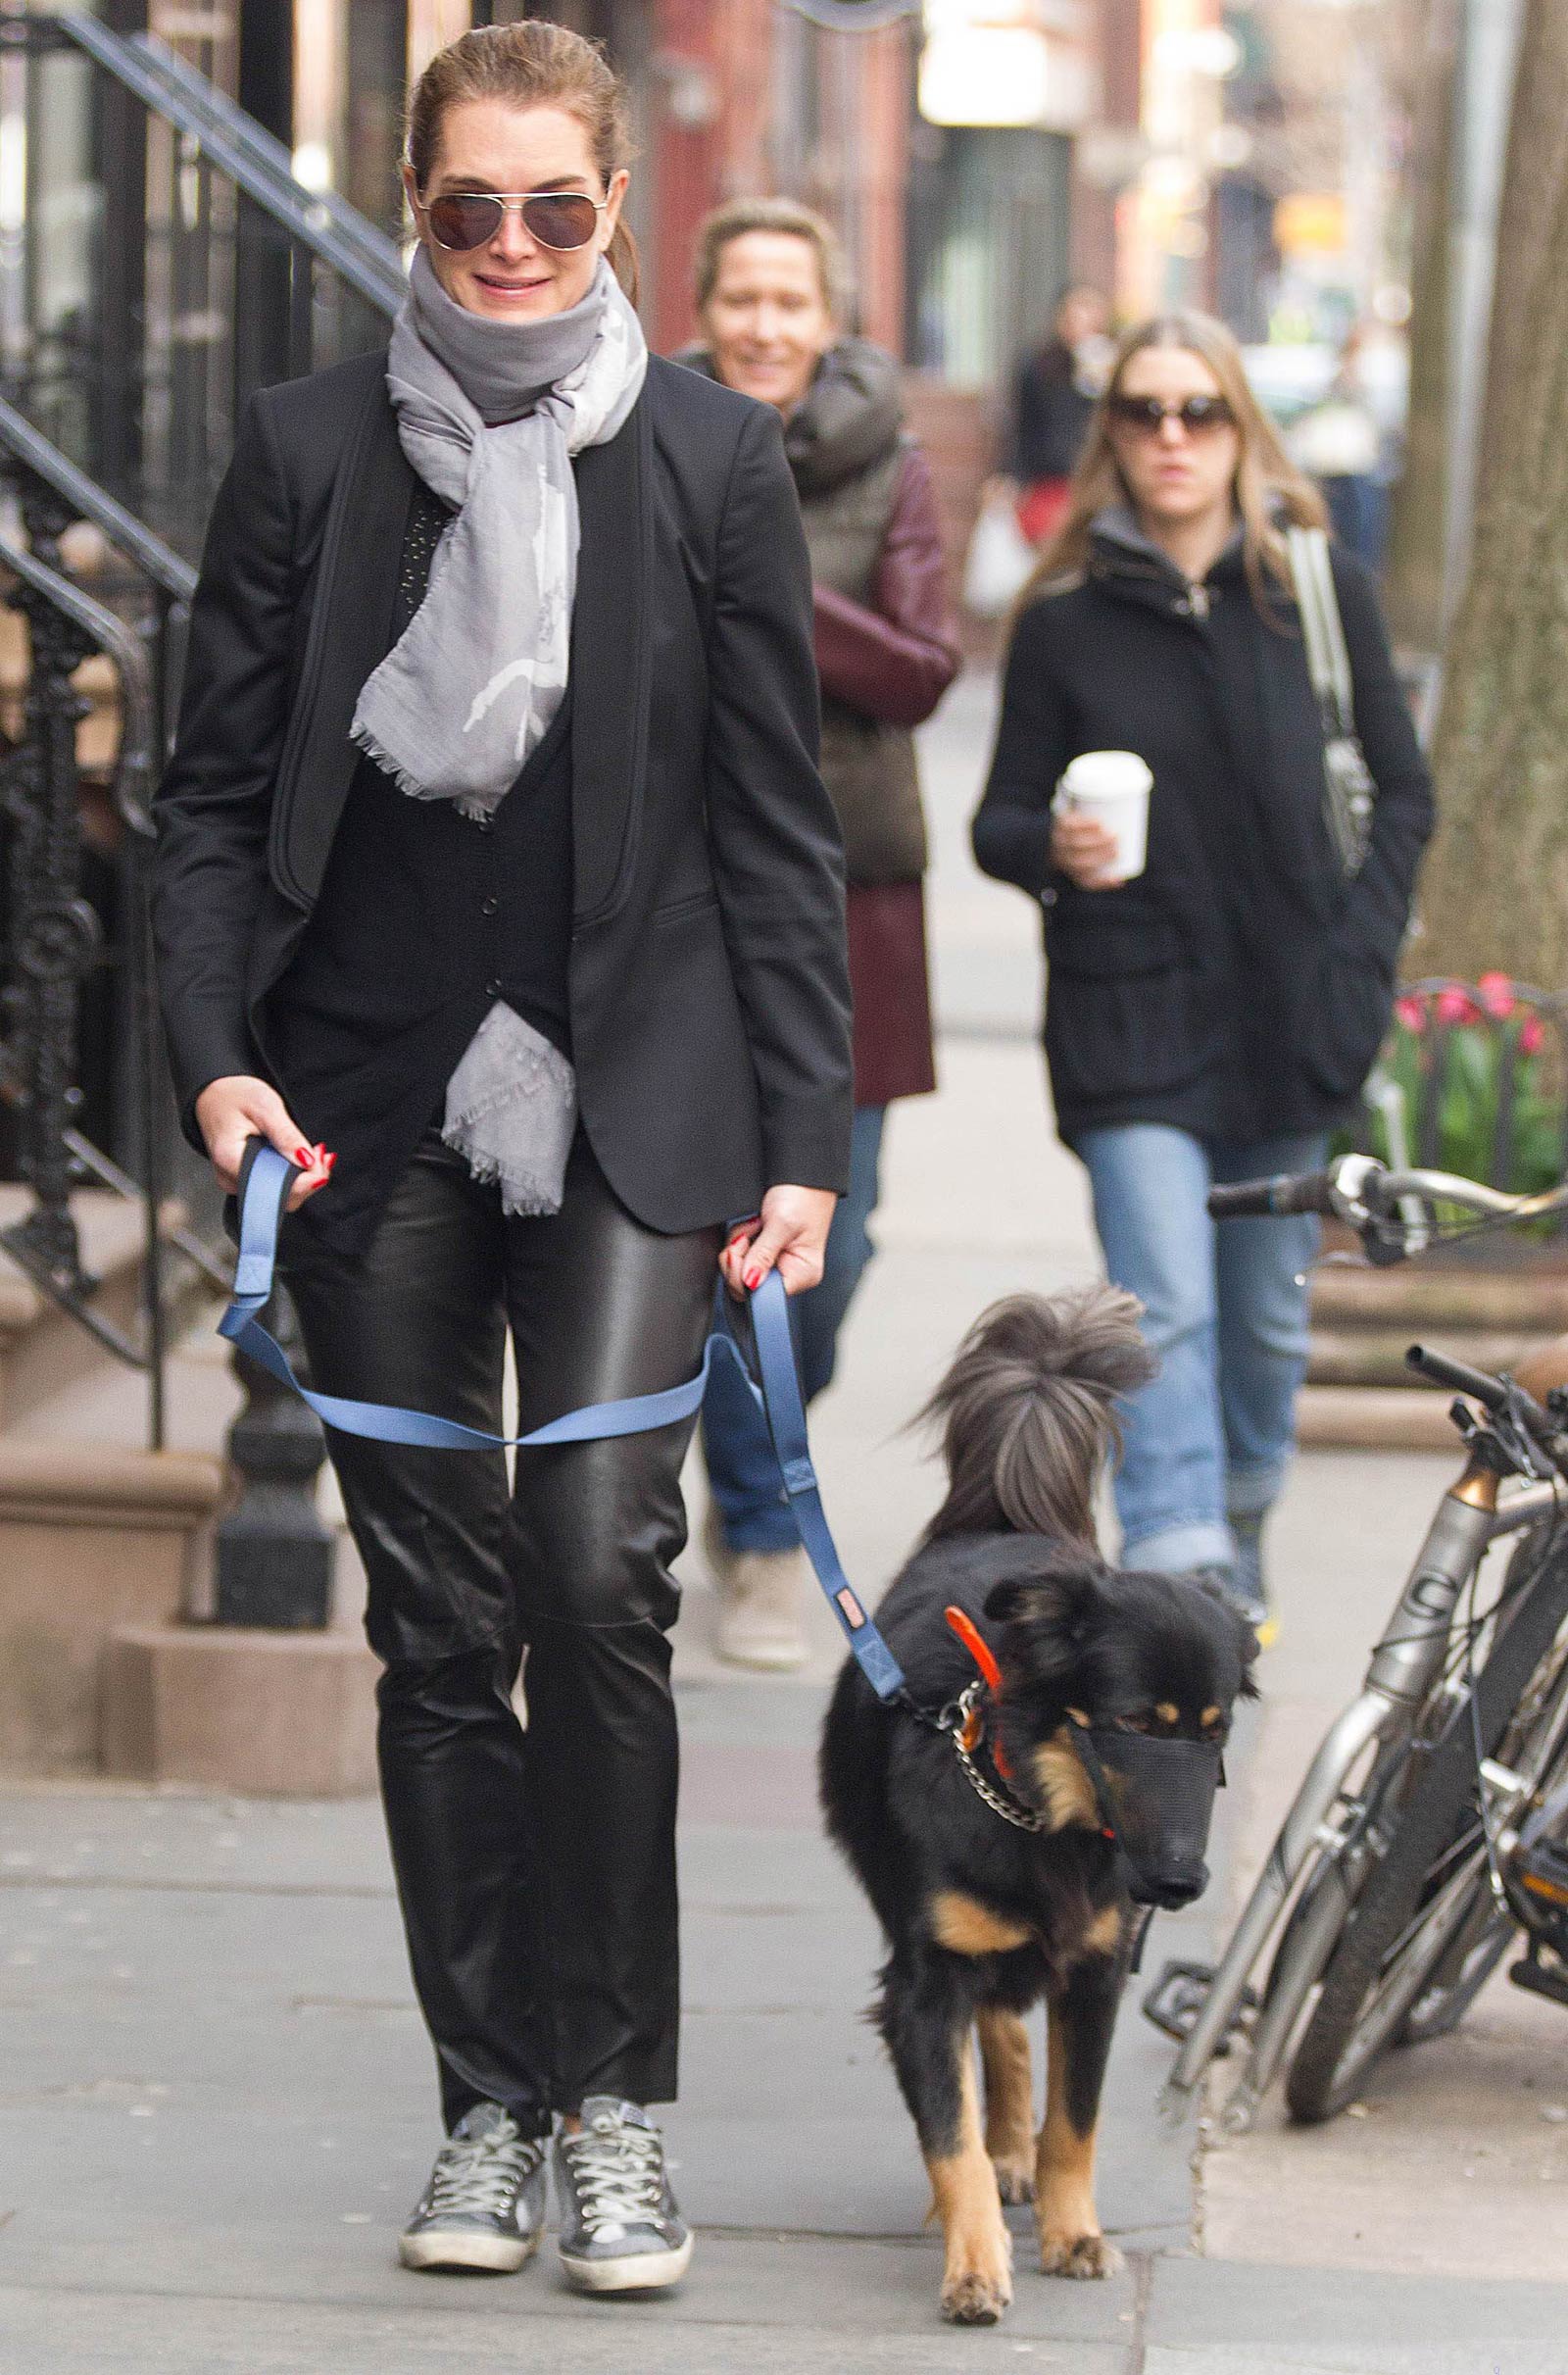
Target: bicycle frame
<point>1404,1665</point>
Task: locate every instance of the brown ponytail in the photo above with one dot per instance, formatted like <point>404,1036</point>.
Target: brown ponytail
<point>533,64</point>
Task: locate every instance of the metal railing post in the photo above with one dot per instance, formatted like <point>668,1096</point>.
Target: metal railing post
<point>274,1554</point>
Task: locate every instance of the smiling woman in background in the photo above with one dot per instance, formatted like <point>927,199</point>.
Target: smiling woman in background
<point>770,292</point>
<point>493,851</point>
<point>1211,1017</point>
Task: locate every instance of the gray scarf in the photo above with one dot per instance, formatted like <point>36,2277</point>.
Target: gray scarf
<point>489,414</point>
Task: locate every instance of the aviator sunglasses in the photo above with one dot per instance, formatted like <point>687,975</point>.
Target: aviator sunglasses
<point>1146,415</point>
<point>462,220</point>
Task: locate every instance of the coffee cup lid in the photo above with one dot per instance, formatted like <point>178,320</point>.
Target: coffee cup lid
<point>1106,774</point>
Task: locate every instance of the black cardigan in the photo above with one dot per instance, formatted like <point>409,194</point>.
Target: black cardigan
<point>707,978</point>
<point>1238,987</point>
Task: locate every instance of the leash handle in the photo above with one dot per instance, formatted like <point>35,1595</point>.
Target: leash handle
<point>785,1413</point>
<point>264,1179</point>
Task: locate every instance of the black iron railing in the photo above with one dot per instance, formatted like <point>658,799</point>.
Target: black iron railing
<point>162,263</point>
<point>165,263</point>
<point>1473,1078</point>
<point>122,600</point>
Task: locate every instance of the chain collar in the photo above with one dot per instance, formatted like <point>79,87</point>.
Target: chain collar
<point>965,1734</point>
<point>963,1720</point>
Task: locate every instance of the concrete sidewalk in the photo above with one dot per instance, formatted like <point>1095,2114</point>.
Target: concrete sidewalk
<point>217,2104</point>
<point>217,2108</point>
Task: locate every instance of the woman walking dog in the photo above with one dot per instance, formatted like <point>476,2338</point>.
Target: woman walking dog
<point>1212,1015</point>
<point>498,888</point>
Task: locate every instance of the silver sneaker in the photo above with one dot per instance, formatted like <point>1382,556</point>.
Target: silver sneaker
<point>484,2206</point>
<point>621,2231</point>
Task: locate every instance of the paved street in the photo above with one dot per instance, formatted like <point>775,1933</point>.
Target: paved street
<point>216,2105</point>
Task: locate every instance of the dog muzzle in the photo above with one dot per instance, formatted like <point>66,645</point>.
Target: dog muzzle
<point>1156,1798</point>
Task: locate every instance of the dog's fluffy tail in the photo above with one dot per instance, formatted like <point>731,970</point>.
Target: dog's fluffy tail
<point>1028,1411</point>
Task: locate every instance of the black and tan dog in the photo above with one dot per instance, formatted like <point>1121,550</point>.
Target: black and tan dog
<point>1014,1872</point>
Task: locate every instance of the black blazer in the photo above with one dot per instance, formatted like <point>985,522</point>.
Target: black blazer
<point>709,992</point>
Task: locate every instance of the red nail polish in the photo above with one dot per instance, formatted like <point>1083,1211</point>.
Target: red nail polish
<point>304,1156</point>
<point>753,1279</point>
<point>329,1160</point>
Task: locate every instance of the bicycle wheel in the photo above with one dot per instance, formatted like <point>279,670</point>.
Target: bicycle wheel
<point>1422,1897</point>
<point>1480,1943</point>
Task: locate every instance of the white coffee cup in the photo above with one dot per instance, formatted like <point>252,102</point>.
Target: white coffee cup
<point>1112,787</point>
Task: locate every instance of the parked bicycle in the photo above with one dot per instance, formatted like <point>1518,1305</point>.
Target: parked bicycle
<point>1432,1825</point>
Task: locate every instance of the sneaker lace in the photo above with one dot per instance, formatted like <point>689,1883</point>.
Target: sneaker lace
<point>617,2173</point>
<point>479,2175</point>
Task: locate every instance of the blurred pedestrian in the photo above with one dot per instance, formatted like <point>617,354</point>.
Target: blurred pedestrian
<point>1055,393</point>
<point>1340,442</point>
<point>1211,1016</point>
<point>771,298</point>
<point>493,850</point>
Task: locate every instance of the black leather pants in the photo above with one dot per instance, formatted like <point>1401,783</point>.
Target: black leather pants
<point>536,1868</point>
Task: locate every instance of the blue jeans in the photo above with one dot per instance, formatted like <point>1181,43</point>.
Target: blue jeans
<point>1225,1311</point>
<point>741,1468</point>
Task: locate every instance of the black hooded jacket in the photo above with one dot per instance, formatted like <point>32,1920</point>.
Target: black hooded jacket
<point>1239,987</point>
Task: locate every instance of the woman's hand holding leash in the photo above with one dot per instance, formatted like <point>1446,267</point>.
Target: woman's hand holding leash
<point>236,1107</point>
<point>788,1235</point>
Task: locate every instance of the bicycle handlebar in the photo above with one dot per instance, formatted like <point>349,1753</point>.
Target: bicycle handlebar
<point>1444,1370</point>
<point>1360,1189</point>
<point>1494,1394</point>
<point>1273,1199</point>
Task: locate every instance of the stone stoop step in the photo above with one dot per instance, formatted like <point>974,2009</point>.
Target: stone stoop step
<point>91,1538</point>
<point>1376,1418</point>
<point>1359,1394</point>
<point>43,1350</point>
<point>264,1714</point>
<point>103,1551</point>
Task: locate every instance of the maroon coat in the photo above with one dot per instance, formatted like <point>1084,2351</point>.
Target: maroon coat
<point>893,662</point>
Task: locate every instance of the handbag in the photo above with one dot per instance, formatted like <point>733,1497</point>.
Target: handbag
<point>999,559</point>
<point>1349,788</point>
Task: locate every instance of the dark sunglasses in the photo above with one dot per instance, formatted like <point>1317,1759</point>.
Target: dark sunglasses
<point>468,219</point>
<point>1146,415</point>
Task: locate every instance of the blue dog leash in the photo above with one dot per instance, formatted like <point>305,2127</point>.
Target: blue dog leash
<point>264,1180</point>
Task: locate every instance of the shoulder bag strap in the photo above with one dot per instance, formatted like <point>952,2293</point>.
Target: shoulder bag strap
<point>1328,660</point>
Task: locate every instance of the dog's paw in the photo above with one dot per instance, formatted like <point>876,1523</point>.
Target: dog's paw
<point>1078,2256</point>
<point>977,2280</point>
<point>1015,2179</point>
<point>976,2299</point>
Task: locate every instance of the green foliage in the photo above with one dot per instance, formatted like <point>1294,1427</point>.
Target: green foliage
<point>1477,1061</point>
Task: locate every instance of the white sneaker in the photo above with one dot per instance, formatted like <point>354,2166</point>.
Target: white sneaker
<point>620,2228</point>
<point>759,1602</point>
<point>484,2206</point>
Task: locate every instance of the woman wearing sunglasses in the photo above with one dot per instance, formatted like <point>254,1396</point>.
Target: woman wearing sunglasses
<point>499,889</point>
<point>1211,1017</point>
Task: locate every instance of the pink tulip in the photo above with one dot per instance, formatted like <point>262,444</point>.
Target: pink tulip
<point>1412,1015</point>
<point>1532,1035</point>
<point>1496,996</point>
<point>1456,1005</point>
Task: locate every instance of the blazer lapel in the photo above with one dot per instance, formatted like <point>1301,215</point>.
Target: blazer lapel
<point>610,647</point>
<point>350,633</point>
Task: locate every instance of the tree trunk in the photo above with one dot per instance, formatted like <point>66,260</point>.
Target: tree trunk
<point>1496,893</point>
<point>1538,158</point>
<point>1413,584</point>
